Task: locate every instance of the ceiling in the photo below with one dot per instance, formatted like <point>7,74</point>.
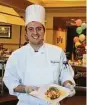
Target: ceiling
<point>20,5</point>
<point>50,5</point>
<point>59,3</point>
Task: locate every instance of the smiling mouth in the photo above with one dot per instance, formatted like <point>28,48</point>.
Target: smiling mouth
<point>35,37</point>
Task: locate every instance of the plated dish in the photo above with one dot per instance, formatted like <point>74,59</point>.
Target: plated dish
<point>52,93</point>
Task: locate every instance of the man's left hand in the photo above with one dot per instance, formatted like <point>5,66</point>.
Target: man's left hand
<point>71,88</point>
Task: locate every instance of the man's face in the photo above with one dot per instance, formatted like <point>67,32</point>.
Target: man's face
<point>35,32</point>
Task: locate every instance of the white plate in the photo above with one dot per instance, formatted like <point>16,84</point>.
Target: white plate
<point>64,92</point>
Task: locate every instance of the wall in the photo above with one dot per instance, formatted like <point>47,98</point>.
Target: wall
<point>62,13</point>
<point>13,42</point>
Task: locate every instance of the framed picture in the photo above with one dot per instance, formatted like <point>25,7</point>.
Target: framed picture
<point>5,31</point>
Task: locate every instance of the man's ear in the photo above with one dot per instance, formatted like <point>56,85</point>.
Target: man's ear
<point>26,38</point>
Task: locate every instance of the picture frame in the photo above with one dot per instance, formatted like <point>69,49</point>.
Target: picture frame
<point>5,31</point>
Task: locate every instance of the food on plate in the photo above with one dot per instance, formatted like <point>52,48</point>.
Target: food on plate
<point>52,93</point>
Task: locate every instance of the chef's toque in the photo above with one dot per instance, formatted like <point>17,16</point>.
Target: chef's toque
<point>35,13</point>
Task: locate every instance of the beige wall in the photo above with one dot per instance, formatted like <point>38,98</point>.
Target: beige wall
<point>61,12</point>
<point>13,42</point>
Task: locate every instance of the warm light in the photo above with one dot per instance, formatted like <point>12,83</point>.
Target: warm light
<point>36,1</point>
<point>2,18</point>
<point>9,15</point>
<point>3,28</point>
<point>14,20</point>
<point>8,10</point>
<point>60,0</point>
<point>59,3</point>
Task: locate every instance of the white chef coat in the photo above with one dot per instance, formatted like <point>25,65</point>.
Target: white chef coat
<point>31,68</point>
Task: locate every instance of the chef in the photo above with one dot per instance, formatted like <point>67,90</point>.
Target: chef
<point>37,63</point>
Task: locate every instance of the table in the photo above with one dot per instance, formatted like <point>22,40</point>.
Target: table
<point>8,100</point>
<point>80,76</point>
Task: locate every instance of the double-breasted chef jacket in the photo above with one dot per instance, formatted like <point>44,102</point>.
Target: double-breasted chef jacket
<point>30,68</point>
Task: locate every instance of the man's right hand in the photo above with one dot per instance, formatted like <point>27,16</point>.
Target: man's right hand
<point>25,89</point>
<point>29,89</point>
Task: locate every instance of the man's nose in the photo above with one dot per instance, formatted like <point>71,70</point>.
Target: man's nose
<point>35,31</point>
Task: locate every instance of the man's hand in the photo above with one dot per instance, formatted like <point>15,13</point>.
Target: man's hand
<point>71,88</point>
<point>29,89</point>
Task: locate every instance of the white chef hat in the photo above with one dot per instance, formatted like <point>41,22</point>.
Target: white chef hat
<point>35,12</point>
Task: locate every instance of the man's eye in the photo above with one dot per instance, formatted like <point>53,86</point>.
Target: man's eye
<point>30,29</point>
<point>39,28</point>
